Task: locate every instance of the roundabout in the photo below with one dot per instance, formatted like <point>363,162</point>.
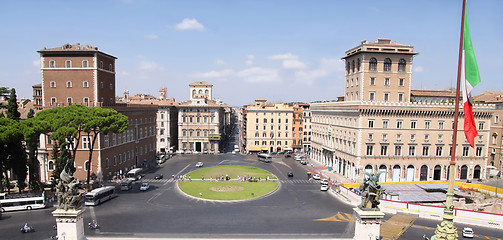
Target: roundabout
<point>229,183</point>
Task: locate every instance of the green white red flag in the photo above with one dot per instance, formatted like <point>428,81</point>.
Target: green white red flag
<point>471,77</point>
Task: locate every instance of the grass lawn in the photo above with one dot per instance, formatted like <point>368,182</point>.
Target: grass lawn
<point>232,170</point>
<point>227,190</point>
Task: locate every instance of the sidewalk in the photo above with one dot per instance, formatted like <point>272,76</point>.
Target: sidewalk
<point>316,167</point>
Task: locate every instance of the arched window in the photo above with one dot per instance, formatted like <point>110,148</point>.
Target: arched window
<point>200,91</point>
<point>387,65</point>
<point>353,66</point>
<point>193,93</point>
<point>373,64</point>
<point>206,92</point>
<point>348,67</point>
<point>51,165</point>
<point>358,65</point>
<point>401,65</point>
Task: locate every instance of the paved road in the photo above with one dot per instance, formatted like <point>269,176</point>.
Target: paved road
<point>297,210</point>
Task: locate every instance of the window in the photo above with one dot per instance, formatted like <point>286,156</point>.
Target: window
<point>441,125</point>
<point>478,152</point>
<point>466,150</point>
<point>412,150</point>
<point>386,96</point>
<point>373,64</point>
<point>438,152</point>
<point>401,65</point>
<point>101,64</point>
<point>358,64</point>
<point>413,137</point>
<point>69,84</point>
<point>370,150</point>
<point>85,84</point>
<point>386,81</point>
<point>371,136</point>
<point>372,81</point>
<point>426,150</point>
<point>400,97</point>
<point>85,63</point>
<point>496,119</point>
<point>53,84</point>
<point>384,150</point>
<point>372,96</point>
<point>69,100</point>
<point>52,64</point>
<point>481,125</point>
<point>86,100</point>
<point>426,137</point>
<point>440,137</point>
<point>68,63</point>
<point>110,67</point>
<point>399,124</point>
<point>399,137</point>
<point>495,139</point>
<point>385,123</point>
<point>401,82</point>
<point>398,150</point>
<point>413,124</point>
<point>387,65</point>
<point>427,124</point>
<point>371,123</point>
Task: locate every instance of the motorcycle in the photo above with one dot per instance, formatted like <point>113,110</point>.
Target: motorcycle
<point>93,225</point>
<point>27,229</point>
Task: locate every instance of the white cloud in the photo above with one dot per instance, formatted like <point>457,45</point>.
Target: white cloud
<point>150,66</point>
<point>289,61</point>
<point>258,74</point>
<point>287,56</point>
<point>215,74</point>
<point>189,24</point>
<point>36,63</point>
<point>327,67</point>
<point>249,60</point>
<point>418,69</point>
<point>152,36</point>
<point>220,62</point>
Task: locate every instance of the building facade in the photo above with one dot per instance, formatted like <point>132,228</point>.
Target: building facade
<point>306,122</point>
<point>297,128</point>
<point>269,127</point>
<point>377,127</point>
<point>76,74</point>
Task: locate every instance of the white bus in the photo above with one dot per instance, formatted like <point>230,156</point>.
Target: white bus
<point>134,174</point>
<point>22,202</point>
<point>100,195</point>
<point>126,184</point>
<point>264,157</point>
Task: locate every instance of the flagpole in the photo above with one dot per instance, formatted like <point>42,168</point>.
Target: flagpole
<point>446,229</point>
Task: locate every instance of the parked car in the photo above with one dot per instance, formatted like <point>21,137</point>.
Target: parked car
<point>303,162</point>
<point>324,181</point>
<point>158,176</point>
<point>324,187</point>
<point>316,177</point>
<point>467,232</point>
<point>290,174</point>
<point>144,187</point>
<point>199,164</point>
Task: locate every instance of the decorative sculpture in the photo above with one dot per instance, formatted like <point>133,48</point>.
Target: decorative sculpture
<point>66,191</point>
<point>371,191</point>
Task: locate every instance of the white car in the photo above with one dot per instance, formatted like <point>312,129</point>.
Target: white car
<point>324,181</point>
<point>199,164</point>
<point>144,187</point>
<point>316,177</point>
<point>467,232</point>
<point>324,187</point>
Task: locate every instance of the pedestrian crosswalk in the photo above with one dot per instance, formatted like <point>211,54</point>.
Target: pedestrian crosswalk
<point>289,181</point>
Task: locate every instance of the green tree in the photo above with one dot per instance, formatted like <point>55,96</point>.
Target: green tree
<point>101,121</point>
<point>32,129</point>
<point>10,133</point>
<point>12,111</point>
<point>4,92</point>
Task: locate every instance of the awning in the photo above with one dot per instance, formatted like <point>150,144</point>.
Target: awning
<point>254,149</point>
<point>265,148</point>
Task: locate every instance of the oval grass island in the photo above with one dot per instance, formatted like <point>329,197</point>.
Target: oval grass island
<point>203,183</point>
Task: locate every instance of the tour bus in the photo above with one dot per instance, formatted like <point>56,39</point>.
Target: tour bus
<point>126,185</point>
<point>134,174</point>
<point>22,202</point>
<point>264,157</point>
<point>100,195</point>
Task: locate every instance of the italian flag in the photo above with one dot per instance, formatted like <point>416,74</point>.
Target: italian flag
<point>470,77</point>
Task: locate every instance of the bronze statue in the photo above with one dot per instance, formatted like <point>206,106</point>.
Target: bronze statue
<point>66,191</point>
<point>371,191</point>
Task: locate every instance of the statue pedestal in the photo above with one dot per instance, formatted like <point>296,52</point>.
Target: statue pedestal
<point>70,224</point>
<point>368,224</point>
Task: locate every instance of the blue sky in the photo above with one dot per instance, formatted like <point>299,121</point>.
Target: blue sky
<point>280,50</point>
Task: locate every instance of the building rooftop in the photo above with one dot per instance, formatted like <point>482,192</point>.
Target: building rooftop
<point>69,48</point>
<point>195,84</point>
